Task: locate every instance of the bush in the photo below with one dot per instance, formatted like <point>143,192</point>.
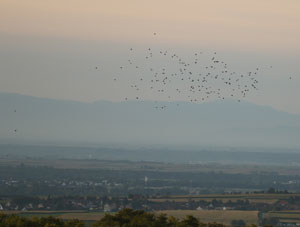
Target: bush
<point>130,218</point>
<point>238,223</point>
<point>16,221</point>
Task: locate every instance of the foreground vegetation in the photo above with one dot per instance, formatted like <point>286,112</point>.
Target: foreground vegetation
<point>124,218</point>
<point>17,221</point>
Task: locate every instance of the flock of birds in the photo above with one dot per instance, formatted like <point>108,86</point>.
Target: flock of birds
<point>202,77</point>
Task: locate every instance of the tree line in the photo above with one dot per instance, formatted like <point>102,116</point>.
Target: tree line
<point>124,218</point>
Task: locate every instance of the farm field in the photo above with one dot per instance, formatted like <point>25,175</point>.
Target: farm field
<point>87,216</point>
<point>287,216</point>
<point>219,216</point>
<point>253,198</point>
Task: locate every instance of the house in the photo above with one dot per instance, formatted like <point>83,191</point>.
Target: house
<point>199,208</point>
<point>106,208</point>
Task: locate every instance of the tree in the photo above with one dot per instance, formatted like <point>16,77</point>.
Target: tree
<point>74,223</point>
<point>238,223</point>
<point>271,190</point>
<point>190,221</point>
<point>161,220</point>
<point>16,221</point>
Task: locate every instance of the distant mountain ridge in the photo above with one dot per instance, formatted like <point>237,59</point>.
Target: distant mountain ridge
<point>227,123</point>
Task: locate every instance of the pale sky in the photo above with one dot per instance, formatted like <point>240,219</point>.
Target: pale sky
<point>50,48</point>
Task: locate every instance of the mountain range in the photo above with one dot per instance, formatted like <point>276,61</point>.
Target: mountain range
<point>218,123</point>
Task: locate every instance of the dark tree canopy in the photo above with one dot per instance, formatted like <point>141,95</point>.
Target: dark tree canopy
<point>124,218</point>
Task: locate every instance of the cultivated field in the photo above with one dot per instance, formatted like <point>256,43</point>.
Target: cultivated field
<point>287,216</point>
<point>253,198</point>
<point>90,216</point>
<point>219,216</point>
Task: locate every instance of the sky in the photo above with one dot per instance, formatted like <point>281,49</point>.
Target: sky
<point>51,48</point>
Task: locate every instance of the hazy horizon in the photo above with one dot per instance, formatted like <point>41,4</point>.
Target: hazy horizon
<point>225,123</point>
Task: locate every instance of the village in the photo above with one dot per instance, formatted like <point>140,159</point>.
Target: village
<point>151,203</point>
